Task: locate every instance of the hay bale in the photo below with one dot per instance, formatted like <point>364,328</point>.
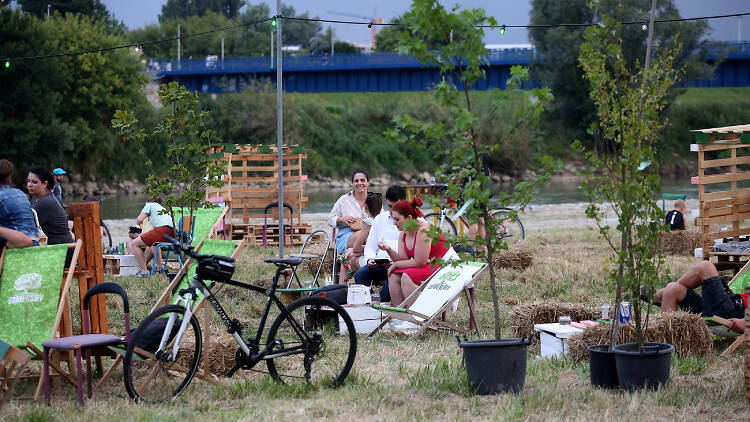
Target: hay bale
<point>221,352</point>
<point>525,315</point>
<point>319,249</point>
<point>518,256</point>
<point>687,332</point>
<point>680,242</point>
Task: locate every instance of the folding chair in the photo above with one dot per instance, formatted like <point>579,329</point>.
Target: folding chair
<point>308,257</point>
<point>184,234</point>
<point>32,302</point>
<point>12,362</point>
<point>84,343</point>
<point>433,297</point>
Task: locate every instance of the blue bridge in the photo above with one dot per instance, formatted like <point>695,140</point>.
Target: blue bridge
<point>382,72</point>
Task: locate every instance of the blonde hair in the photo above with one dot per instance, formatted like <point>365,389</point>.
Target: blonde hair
<point>679,204</point>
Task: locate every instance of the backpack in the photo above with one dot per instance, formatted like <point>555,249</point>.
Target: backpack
<point>335,292</point>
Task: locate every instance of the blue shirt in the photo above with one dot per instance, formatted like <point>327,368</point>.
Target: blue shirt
<point>15,212</point>
<point>57,192</point>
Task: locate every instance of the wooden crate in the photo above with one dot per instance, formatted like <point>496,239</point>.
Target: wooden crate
<point>723,158</point>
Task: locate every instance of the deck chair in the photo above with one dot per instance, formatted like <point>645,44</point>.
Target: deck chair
<point>170,295</point>
<point>207,221</point>
<point>433,297</point>
<point>32,302</point>
<point>12,362</point>
<point>716,324</point>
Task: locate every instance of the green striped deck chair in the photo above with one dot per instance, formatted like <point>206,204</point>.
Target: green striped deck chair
<point>433,297</point>
<point>206,221</point>
<point>32,302</point>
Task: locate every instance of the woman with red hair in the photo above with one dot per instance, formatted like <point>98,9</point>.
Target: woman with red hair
<point>412,262</point>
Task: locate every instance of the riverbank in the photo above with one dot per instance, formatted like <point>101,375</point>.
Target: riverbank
<point>534,218</point>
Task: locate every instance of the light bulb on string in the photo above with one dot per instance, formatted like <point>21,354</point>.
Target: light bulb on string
<point>137,48</point>
<point>502,30</point>
<point>644,27</point>
<point>273,22</point>
<point>7,63</point>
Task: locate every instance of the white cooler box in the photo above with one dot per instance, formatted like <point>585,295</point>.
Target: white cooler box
<point>364,317</point>
<point>554,337</point>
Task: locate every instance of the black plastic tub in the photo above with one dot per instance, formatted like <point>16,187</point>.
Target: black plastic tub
<point>603,366</point>
<point>496,366</point>
<point>647,367</point>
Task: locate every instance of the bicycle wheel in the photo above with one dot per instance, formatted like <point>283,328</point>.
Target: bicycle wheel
<point>509,227</point>
<point>327,357</point>
<point>153,374</point>
<point>443,222</point>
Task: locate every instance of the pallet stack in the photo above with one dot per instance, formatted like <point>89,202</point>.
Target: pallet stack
<point>723,190</point>
<point>251,183</point>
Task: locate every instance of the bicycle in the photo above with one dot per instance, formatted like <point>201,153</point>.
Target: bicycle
<point>508,225</point>
<point>165,351</point>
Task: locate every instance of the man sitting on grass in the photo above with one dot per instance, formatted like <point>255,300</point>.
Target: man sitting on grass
<point>715,298</point>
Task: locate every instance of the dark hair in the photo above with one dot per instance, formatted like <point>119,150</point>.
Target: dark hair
<point>45,176</point>
<point>354,173</point>
<point>409,208</point>
<point>6,171</point>
<point>395,193</point>
<point>374,203</point>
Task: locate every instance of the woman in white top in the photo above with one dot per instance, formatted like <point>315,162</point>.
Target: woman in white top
<point>374,204</point>
<point>349,210</point>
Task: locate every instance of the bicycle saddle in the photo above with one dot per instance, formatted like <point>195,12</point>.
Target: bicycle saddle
<point>292,260</point>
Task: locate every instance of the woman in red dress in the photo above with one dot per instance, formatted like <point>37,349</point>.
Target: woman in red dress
<point>412,262</point>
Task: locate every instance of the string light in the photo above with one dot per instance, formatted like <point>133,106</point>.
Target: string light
<point>138,48</point>
<point>274,23</point>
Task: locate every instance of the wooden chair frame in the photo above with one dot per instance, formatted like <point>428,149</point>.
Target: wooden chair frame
<point>430,321</point>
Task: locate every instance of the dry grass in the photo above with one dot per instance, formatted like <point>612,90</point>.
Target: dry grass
<point>680,242</point>
<point>396,378</point>
<point>525,315</point>
<point>518,256</point>
<point>687,332</point>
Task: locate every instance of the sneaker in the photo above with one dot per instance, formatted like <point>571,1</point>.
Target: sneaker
<point>142,273</point>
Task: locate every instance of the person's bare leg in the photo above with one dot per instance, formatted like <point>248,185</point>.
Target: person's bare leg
<point>148,255</point>
<point>134,246</point>
<point>407,287</point>
<point>675,292</point>
<point>394,287</point>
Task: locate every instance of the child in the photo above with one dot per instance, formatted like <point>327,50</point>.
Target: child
<point>674,218</point>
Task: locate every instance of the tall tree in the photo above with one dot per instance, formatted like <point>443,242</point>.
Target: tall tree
<point>56,111</point>
<point>558,49</point>
<point>387,37</point>
<point>321,43</point>
<point>184,8</point>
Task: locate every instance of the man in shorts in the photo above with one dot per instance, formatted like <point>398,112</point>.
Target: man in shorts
<point>715,298</point>
<point>162,225</point>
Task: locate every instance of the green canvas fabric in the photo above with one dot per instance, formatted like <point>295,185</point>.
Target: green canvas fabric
<point>29,293</point>
<point>4,347</point>
<point>739,284</point>
<point>209,247</point>
<point>205,218</point>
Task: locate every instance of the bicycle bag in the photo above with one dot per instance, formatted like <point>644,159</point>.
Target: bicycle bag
<point>151,336</point>
<point>335,292</point>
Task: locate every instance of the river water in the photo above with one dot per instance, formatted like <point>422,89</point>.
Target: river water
<point>321,199</point>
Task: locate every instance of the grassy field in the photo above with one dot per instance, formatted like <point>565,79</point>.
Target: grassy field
<point>399,379</point>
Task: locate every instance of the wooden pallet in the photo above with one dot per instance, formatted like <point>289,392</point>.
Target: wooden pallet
<point>722,210</point>
<point>273,240</point>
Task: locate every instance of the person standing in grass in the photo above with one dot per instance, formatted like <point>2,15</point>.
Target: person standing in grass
<point>59,178</point>
<point>162,225</point>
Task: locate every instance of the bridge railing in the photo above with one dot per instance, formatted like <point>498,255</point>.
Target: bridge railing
<point>315,62</point>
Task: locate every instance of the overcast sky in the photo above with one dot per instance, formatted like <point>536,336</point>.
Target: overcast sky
<point>137,13</point>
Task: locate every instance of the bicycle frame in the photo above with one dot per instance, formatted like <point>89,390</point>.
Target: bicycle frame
<point>233,326</point>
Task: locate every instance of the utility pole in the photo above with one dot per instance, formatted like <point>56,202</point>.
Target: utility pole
<point>333,36</point>
<point>280,129</point>
<point>271,49</point>
<point>178,47</point>
<point>739,28</point>
<point>222,52</point>
<point>48,6</point>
